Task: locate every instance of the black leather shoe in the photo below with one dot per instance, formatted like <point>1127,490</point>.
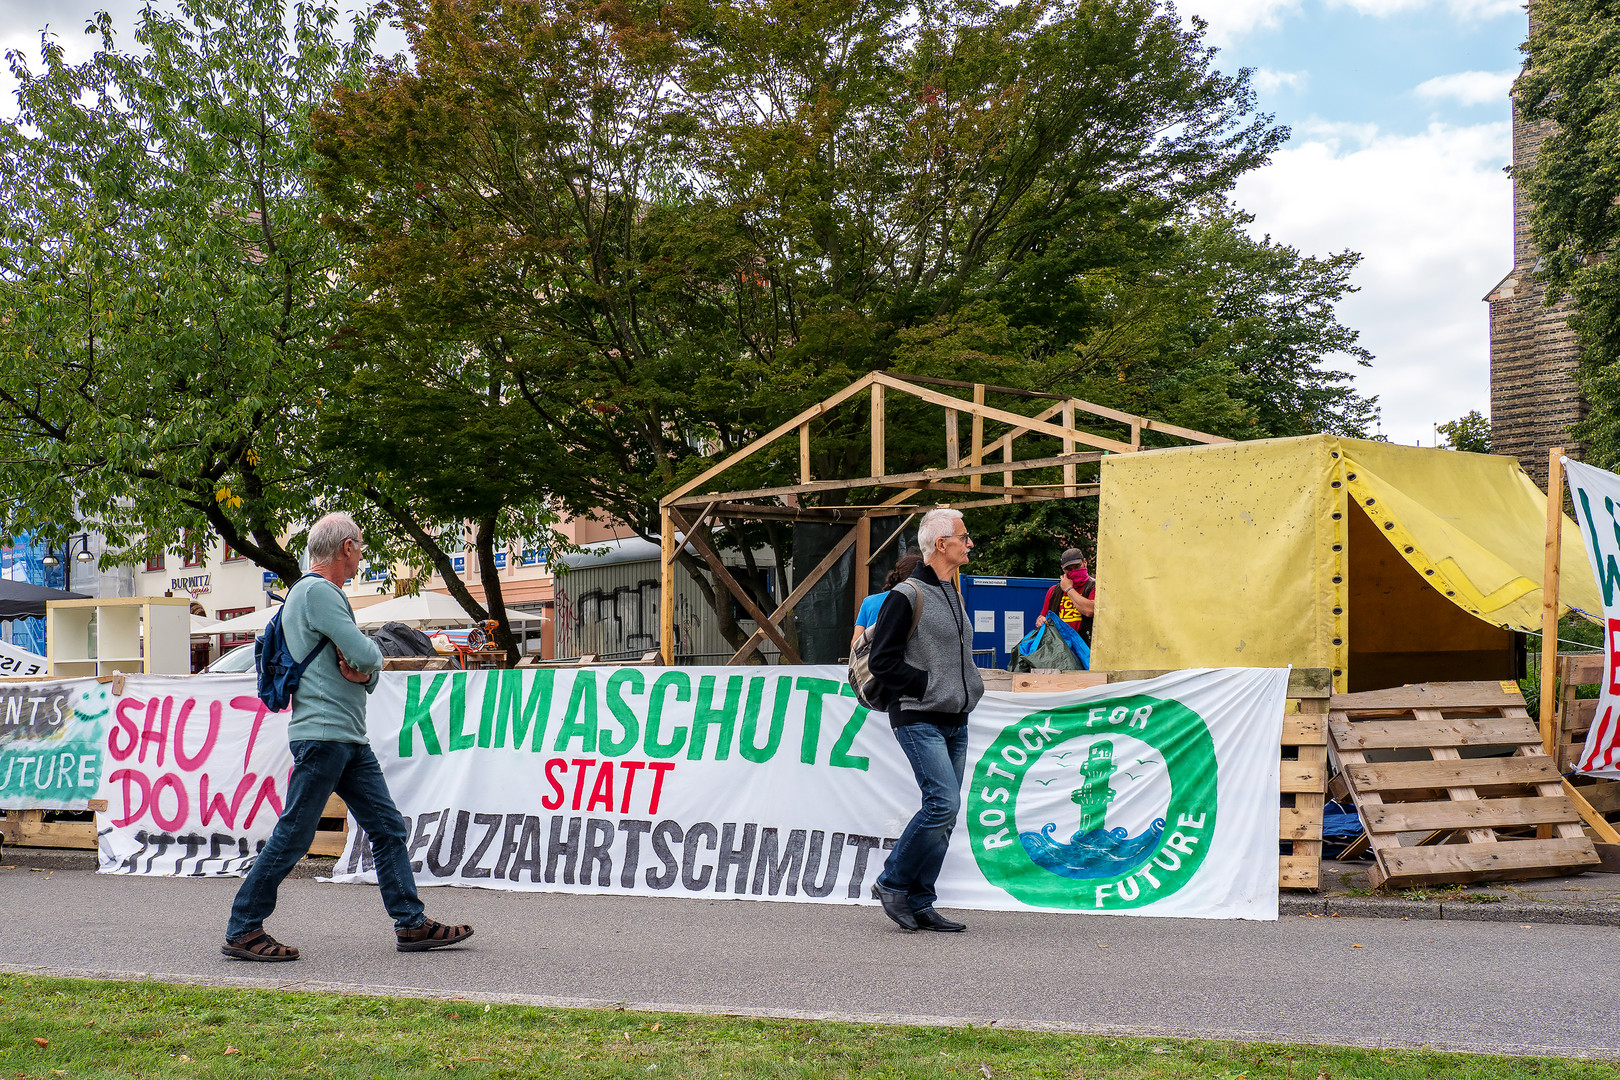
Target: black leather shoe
<point>929,919</point>
<point>896,907</point>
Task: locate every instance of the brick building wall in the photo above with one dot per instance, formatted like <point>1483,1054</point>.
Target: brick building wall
<point>1533,351</point>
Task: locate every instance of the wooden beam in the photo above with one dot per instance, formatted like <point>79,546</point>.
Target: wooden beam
<point>1068,448</point>
<point>1594,820</point>
<point>723,576</point>
<point>953,440</point>
<point>1006,476</point>
<point>978,435</point>
<point>881,548</point>
<point>877,428</point>
<point>894,480</point>
<point>1549,595</point>
<point>666,586</point>
<point>701,519</point>
<point>771,436</point>
<point>945,400</point>
<point>928,380</point>
<point>1004,443</point>
<point>804,452</point>
<point>863,559</point>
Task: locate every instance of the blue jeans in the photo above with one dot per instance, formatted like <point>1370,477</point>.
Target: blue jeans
<point>320,768</point>
<point>938,758</point>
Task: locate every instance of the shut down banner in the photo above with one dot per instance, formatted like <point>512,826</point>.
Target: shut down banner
<point>1147,798</point>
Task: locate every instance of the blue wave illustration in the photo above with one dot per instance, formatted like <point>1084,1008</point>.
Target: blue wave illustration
<point>1099,853</point>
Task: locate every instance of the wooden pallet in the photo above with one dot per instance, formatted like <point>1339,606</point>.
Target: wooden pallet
<point>1445,817</point>
<point>1302,776</point>
<point>1575,717</point>
<point>28,828</point>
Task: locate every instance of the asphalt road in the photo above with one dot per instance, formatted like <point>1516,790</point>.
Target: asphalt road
<point>1452,985</point>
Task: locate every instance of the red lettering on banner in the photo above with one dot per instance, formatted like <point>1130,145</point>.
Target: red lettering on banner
<point>267,793</point>
<point>126,777</point>
<point>189,762</point>
<point>133,732</point>
<point>1614,656</point>
<point>659,767</point>
<point>579,781</point>
<point>157,735</point>
<point>630,769</point>
<point>216,804</point>
<point>602,792</point>
<point>551,778</point>
<point>170,823</point>
<point>259,710</point>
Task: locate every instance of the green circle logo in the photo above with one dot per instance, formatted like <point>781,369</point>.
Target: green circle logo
<point>1105,805</point>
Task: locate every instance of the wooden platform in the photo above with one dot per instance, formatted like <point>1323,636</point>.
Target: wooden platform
<point>28,828</point>
<point>1452,784</point>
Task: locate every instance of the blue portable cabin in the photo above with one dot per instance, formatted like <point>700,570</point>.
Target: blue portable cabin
<point>1003,610</point>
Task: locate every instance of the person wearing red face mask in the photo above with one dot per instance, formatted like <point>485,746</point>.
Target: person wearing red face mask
<point>1073,598</point>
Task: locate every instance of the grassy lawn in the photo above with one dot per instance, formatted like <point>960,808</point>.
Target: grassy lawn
<point>80,1028</point>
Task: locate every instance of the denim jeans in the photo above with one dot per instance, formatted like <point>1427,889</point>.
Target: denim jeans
<point>938,757</point>
<point>321,767</point>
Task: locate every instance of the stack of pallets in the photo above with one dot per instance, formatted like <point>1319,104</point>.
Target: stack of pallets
<point>1459,787</point>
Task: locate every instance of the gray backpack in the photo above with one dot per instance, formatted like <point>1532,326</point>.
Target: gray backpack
<point>868,691</point>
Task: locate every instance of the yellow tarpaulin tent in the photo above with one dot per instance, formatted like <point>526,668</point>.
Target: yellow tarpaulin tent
<point>1385,563</point>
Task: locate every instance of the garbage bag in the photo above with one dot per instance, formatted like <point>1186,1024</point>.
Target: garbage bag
<point>1050,652</point>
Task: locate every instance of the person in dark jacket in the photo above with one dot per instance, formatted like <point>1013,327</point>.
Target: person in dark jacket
<point>935,685</point>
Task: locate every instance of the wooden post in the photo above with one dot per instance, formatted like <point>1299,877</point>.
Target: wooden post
<point>953,440</point>
<point>1068,448</point>
<point>863,556</point>
<point>1549,596</point>
<point>666,586</point>
<point>877,429</point>
<point>978,437</point>
<point>1007,477</point>
<point>804,452</point>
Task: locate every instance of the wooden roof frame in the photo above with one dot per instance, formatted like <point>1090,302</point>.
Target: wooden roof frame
<point>687,510</point>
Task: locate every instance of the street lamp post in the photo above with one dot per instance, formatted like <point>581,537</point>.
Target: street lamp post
<point>67,557</point>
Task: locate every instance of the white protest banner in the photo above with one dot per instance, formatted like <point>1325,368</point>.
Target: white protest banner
<point>195,774</point>
<point>1149,798</point>
<point>19,663</point>
<point>1596,494</point>
<point>51,736</point>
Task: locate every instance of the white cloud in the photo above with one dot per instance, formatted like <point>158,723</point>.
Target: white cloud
<point>1268,81</point>
<point>1469,87</point>
<point>1231,19</point>
<point>1431,214</point>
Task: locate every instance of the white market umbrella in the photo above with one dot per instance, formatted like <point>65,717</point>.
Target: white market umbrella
<point>253,623</point>
<point>429,609</point>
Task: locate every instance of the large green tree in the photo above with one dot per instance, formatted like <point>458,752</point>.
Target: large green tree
<point>166,289</point>
<point>668,227</point>
<point>1572,84</point>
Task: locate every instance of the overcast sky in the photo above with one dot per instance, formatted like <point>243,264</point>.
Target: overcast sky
<point>1400,121</point>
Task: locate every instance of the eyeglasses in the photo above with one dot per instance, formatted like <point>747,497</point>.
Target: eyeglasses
<point>964,537</point>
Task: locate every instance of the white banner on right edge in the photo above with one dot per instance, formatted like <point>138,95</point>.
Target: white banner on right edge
<point>1596,494</point>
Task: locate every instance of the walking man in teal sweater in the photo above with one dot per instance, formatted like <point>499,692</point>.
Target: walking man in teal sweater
<point>327,736</point>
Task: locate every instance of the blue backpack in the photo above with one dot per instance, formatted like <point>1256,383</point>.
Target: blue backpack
<point>279,672</point>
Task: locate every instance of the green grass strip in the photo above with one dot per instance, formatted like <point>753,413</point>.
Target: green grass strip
<point>84,1028</point>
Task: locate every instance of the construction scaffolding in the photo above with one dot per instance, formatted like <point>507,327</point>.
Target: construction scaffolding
<point>962,482</point>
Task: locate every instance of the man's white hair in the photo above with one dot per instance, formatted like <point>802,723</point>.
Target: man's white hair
<point>936,525</point>
<point>326,537</point>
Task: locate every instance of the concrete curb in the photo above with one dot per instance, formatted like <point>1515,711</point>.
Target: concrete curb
<point>1581,913</point>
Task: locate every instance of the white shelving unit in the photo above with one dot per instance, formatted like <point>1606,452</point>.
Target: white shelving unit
<point>133,634</point>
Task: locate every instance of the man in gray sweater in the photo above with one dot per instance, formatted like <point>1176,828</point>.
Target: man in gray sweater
<point>935,684</point>
<point>327,736</point>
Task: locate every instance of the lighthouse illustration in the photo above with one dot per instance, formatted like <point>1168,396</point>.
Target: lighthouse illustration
<point>1095,793</point>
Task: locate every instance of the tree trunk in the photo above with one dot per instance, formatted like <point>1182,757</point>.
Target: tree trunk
<point>490,576</point>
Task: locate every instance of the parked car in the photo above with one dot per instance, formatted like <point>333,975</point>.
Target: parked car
<point>235,662</point>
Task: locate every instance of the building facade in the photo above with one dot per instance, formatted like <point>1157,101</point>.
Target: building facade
<point>1534,399</point>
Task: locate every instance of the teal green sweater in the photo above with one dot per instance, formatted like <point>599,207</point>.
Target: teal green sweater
<point>326,705</point>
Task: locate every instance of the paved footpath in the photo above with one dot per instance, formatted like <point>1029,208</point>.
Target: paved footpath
<point>1485,986</point>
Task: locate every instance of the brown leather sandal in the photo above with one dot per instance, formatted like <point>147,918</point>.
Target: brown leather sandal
<point>258,945</point>
<point>431,935</point>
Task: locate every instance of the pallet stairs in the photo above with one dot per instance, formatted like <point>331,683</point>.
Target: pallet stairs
<point>1459,788</point>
